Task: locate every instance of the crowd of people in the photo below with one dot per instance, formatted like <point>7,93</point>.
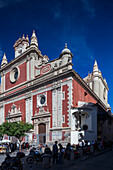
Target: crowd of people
<point>11,147</point>
<point>57,152</point>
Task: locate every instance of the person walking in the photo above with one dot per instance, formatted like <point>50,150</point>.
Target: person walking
<point>48,151</point>
<point>68,148</point>
<point>60,153</point>
<point>55,152</point>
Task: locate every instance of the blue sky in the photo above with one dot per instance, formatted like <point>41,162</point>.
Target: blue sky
<point>85,25</point>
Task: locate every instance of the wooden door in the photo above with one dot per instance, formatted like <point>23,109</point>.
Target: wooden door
<point>42,133</point>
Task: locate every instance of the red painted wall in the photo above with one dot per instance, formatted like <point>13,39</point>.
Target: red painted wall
<point>22,77</point>
<point>78,94</point>
<point>49,104</point>
<point>21,104</point>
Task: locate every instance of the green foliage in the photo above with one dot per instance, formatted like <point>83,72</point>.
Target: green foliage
<point>1,131</point>
<point>17,129</point>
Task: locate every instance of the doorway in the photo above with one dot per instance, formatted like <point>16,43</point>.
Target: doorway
<point>42,133</point>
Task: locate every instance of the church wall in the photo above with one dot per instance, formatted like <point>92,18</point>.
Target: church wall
<point>79,94</point>
<point>48,106</point>
<point>19,103</point>
<point>17,89</point>
<point>101,90</point>
<point>7,108</point>
<point>2,116</point>
<point>65,106</point>
<point>21,79</point>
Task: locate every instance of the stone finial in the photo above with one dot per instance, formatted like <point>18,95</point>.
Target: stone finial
<point>27,38</point>
<point>34,39</point>
<point>23,37</point>
<point>95,67</point>
<point>33,34</point>
<point>95,64</point>
<point>105,80</point>
<point>4,60</point>
<point>65,45</point>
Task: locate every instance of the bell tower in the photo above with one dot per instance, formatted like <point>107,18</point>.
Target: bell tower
<point>20,45</point>
<point>99,85</point>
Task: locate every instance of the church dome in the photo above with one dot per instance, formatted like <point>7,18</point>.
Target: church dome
<point>65,51</point>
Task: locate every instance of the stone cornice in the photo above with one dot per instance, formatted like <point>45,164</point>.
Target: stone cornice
<point>49,78</point>
<point>14,115</point>
<point>59,128</point>
<point>41,114</point>
<point>22,56</point>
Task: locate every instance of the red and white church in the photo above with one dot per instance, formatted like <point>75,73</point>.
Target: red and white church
<point>51,95</point>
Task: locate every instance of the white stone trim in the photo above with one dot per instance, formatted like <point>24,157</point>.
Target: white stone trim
<point>63,95</point>
<point>12,78</point>
<point>28,110</point>
<point>60,128</point>
<point>39,98</point>
<point>15,65</point>
<point>28,70</point>
<point>32,94</point>
<point>54,108</point>
<point>31,69</point>
<point>4,83</point>
<point>59,123</point>
<point>70,90</point>
<point>2,116</point>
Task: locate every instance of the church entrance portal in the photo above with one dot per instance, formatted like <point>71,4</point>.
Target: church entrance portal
<point>42,133</point>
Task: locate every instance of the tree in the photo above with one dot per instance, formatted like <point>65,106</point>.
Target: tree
<point>1,131</point>
<point>17,129</point>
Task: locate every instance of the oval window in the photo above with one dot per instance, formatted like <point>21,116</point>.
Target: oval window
<point>42,100</point>
<point>14,74</point>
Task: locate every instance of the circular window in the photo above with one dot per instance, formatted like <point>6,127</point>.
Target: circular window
<point>42,100</point>
<point>14,75</point>
<point>85,127</point>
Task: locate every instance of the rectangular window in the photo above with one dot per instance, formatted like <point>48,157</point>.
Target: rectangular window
<point>63,118</point>
<point>63,95</point>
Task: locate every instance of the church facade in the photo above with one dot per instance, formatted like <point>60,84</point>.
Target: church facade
<point>51,95</point>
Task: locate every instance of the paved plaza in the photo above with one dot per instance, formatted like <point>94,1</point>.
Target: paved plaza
<point>102,160</point>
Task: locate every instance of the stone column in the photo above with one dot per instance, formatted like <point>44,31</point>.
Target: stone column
<point>36,126</point>
<point>32,66</point>
<point>47,132</point>
<point>2,82</point>
<point>28,67</point>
